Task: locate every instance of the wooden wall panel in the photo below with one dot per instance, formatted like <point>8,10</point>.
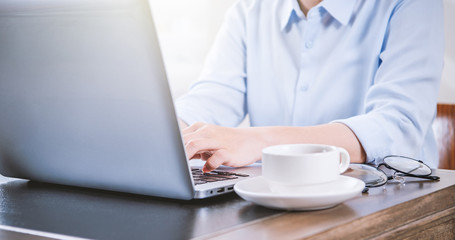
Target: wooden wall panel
<point>444,128</point>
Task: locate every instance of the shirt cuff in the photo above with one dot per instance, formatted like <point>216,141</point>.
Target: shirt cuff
<point>371,136</point>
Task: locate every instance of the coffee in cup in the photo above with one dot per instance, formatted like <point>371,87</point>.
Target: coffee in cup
<point>293,167</point>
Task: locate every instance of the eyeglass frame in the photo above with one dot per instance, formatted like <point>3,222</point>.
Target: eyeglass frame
<point>426,176</point>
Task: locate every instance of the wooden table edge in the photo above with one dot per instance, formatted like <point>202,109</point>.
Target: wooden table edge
<point>378,224</point>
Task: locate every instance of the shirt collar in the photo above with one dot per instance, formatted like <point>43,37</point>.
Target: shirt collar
<point>287,11</point>
<point>340,10</point>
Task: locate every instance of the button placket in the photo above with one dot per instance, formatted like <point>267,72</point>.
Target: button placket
<point>306,74</point>
<point>308,34</point>
<point>311,27</point>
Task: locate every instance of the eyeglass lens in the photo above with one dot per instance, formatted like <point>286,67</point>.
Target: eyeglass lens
<point>368,174</point>
<point>407,165</point>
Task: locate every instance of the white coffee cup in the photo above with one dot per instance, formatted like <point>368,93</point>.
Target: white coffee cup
<point>289,167</point>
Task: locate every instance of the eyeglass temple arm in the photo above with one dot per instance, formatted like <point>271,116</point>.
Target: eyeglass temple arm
<point>430,177</point>
<point>410,175</point>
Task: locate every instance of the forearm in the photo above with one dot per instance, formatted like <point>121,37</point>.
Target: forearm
<point>238,147</point>
<point>336,134</point>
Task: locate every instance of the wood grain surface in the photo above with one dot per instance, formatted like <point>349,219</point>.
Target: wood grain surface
<point>444,129</point>
<point>416,210</point>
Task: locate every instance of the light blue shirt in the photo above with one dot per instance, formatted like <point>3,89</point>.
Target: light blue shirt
<point>373,65</point>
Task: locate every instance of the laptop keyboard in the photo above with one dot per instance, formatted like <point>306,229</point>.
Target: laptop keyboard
<point>214,176</point>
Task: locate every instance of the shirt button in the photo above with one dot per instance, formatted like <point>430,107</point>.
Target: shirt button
<point>304,88</point>
<point>313,14</point>
<point>309,44</point>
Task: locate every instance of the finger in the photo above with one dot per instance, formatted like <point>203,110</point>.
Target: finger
<point>202,156</point>
<point>204,131</point>
<point>200,145</point>
<point>193,128</point>
<point>190,136</point>
<point>196,156</point>
<point>205,156</point>
<point>217,159</point>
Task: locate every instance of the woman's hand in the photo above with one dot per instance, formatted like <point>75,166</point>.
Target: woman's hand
<point>234,147</point>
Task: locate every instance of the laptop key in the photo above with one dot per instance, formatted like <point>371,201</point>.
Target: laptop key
<point>241,175</point>
<point>213,176</point>
<point>231,174</point>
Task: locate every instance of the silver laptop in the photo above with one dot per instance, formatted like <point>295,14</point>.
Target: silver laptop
<point>84,101</point>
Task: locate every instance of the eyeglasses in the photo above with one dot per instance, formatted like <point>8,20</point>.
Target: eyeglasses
<point>400,165</point>
<point>406,167</point>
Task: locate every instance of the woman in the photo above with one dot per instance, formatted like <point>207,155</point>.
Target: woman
<point>362,75</point>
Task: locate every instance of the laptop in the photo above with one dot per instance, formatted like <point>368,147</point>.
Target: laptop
<point>84,101</point>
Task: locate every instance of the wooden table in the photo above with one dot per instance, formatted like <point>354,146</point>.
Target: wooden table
<point>416,210</point>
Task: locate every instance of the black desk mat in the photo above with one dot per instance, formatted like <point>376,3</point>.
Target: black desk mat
<point>96,214</point>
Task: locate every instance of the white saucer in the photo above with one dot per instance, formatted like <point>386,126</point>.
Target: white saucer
<point>316,197</point>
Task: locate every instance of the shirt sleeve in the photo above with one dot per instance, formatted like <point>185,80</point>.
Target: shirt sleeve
<point>401,104</point>
<point>218,97</point>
